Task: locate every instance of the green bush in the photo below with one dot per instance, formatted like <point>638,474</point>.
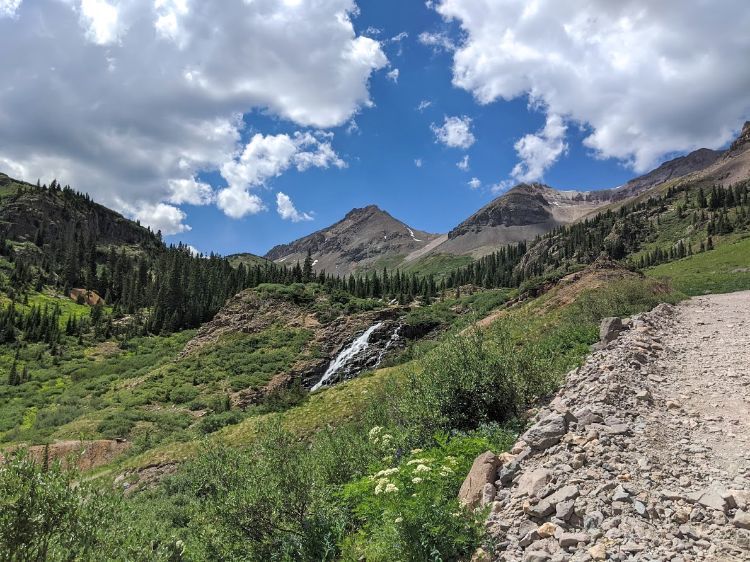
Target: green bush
<point>469,380</point>
<point>410,511</point>
<point>50,514</point>
<point>215,422</point>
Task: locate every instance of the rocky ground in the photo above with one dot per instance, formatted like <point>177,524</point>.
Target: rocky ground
<point>643,455</point>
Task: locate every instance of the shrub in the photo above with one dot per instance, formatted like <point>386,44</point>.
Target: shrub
<point>50,514</point>
<point>215,422</point>
<point>468,381</point>
<point>410,511</point>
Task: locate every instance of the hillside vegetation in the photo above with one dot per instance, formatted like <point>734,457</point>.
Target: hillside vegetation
<point>368,469</point>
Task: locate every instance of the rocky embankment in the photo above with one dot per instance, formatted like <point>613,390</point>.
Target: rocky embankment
<point>644,454</point>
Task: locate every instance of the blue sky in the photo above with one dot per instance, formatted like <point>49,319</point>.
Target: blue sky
<point>381,154</point>
<point>234,126</point>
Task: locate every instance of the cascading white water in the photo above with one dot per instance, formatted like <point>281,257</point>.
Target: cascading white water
<point>343,358</point>
<point>395,336</point>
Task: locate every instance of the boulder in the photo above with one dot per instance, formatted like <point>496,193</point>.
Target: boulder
<point>532,481</point>
<point>546,433</point>
<point>610,328</point>
<point>483,471</point>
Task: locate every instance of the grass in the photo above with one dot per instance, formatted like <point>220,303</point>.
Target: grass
<point>722,270</point>
<point>439,265</point>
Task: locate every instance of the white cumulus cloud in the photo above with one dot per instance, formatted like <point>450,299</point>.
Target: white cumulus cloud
<point>130,100</point>
<point>455,132</point>
<point>8,7</point>
<point>393,75</point>
<point>647,78</point>
<point>463,164</point>
<point>266,157</point>
<point>288,211</point>
<point>475,183</point>
<point>190,191</point>
<point>539,151</point>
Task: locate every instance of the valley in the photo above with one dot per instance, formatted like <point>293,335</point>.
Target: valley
<point>372,361</point>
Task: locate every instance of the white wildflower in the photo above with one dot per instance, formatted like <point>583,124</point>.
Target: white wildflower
<point>416,480</point>
<point>416,451</point>
<point>386,472</point>
<point>422,468</point>
<point>399,520</point>
<point>391,489</point>
<point>374,434</point>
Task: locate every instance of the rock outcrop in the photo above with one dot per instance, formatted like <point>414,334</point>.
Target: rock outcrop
<point>631,461</point>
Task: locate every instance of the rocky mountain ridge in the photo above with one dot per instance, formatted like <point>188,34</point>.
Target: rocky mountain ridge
<point>370,238</point>
<point>365,238</point>
<point>626,462</point>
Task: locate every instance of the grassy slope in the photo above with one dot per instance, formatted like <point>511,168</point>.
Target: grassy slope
<point>567,330</point>
<point>439,265</point>
<point>246,259</point>
<point>723,270</point>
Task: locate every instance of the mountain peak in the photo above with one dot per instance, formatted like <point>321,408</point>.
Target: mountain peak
<point>362,212</point>
<point>367,237</point>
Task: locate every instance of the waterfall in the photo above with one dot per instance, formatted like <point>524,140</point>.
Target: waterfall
<point>395,336</point>
<point>356,347</point>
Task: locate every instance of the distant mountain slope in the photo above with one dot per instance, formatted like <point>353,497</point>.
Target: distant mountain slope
<point>697,160</point>
<point>365,238</point>
<point>734,164</point>
<point>522,213</point>
<point>247,259</point>
<point>529,210</point>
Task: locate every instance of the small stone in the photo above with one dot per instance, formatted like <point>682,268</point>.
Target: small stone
<point>573,539</point>
<point>547,530</point>
<point>713,500</point>
<point>564,510</point>
<point>488,494</point>
<point>688,532</point>
<point>536,556</point>
<point>507,473</point>
<point>531,482</point>
<point>620,495</point>
<point>546,433</point>
<point>640,508</point>
<point>593,520</point>
<point>598,552</point>
<point>610,329</point>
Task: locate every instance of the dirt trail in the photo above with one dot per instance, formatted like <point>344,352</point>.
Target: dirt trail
<point>644,454</point>
<point>708,377</point>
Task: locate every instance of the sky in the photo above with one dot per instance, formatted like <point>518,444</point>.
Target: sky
<point>237,125</point>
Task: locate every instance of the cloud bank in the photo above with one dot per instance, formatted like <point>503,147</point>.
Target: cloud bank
<point>645,78</point>
<point>130,99</point>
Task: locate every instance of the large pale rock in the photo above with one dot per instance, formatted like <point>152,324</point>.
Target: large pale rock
<point>532,481</point>
<point>741,520</point>
<point>713,499</point>
<point>483,471</point>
